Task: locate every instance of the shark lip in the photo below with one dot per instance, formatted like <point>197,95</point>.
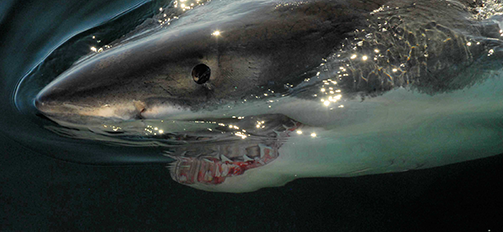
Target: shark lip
<point>227,160</point>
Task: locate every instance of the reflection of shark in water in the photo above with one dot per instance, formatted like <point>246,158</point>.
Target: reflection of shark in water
<point>250,94</point>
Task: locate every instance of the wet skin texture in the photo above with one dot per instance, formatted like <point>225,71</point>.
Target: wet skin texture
<point>268,45</point>
<point>385,60</point>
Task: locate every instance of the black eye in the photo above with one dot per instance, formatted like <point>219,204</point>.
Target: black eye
<point>201,73</point>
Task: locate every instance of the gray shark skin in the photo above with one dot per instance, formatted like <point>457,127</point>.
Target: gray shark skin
<point>252,94</point>
<point>270,42</point>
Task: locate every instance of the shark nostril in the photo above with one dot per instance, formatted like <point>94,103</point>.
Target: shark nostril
<point>201,73</point>
<point>140,109</point>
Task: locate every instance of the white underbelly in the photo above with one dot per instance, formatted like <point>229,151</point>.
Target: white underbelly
<point>398,131</point>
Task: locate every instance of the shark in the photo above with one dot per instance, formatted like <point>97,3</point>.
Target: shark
<point>250,94</point>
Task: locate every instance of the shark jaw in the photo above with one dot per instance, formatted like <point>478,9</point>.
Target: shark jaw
<point>227,160</point>
<point>212,161</point>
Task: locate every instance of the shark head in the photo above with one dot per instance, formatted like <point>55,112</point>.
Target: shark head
<point>205,65</point>
<point>201,61</point>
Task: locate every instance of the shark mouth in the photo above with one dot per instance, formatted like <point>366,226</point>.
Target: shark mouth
<point>211,163</point>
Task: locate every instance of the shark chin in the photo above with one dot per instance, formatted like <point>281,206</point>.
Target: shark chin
<point>272,91</point>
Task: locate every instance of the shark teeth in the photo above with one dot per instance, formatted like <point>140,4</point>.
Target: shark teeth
<point>209,161</point>
<point>203,169</point>
<point>278,133</point>
<point>225,169</point>
<point>225,159</point>
<point>246,158</point>
<point>263,150</point>
<point>212,164</point>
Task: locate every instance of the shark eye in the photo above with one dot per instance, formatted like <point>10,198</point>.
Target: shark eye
<point>201,73</point>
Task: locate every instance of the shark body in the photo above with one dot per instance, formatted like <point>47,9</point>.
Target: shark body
<point>264,92</point>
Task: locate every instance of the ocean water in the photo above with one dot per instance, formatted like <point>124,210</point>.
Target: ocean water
<point>53,183</point>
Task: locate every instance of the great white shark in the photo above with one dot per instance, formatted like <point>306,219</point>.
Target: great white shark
<point>251,94</point>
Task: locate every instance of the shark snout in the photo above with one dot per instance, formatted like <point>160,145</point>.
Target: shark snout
<point>81,111</point>
<point>46,103</point>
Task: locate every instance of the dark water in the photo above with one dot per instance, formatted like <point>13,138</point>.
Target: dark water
<point>41,191</point>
